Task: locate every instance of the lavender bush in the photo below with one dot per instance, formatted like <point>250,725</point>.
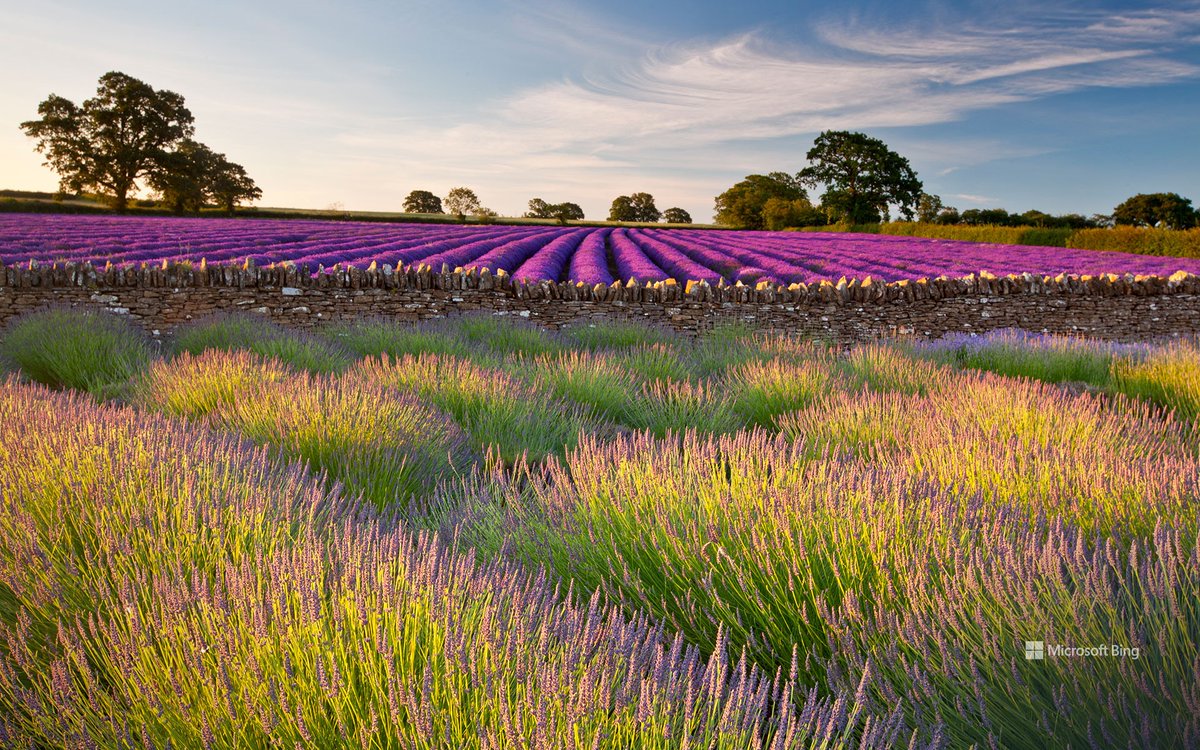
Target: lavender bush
<point>97,352</point>
<point>880,574</point>
<point>735,540</point>
<point>197,594</point>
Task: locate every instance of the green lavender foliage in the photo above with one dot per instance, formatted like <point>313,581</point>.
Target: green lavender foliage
<point>876,573</point>
<point>196,593</point>
<point>615,334</point>
<point>92,351</point>
<point>498,411</point>
<point>373,337</point>
<point>731,540</point>
<point>232,331</point>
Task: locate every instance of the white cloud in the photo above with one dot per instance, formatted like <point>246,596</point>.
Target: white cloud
<point>976,199</point>
<point>676,106</point>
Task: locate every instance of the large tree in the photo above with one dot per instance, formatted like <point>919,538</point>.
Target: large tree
<point>635,207</point>
<point>112,140</point>
<point>862,177</point>
<point>422,202</point>
<point>461,201</point>
<point>676,215</point>
<point>781,213</point>
<point>1168,210</point>
<point>741,206</point>
<point>929,206</point>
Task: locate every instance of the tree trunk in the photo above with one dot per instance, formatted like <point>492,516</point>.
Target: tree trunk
<point>121,196</point>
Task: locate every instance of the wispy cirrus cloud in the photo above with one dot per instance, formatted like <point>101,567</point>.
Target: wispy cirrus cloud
<point>675,105</point>
<point>749,86</point>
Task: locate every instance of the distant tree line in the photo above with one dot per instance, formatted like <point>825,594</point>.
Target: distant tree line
<point>864,179</point>
<point>130,132</point>
<point>564,212</point>
<point>638,207</point>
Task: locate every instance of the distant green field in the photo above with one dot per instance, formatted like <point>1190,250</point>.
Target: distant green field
<point>1141,240</point>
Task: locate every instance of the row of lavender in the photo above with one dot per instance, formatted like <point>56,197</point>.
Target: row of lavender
<point>593,255</point>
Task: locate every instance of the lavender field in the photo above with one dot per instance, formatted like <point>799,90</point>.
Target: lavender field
<point>586,254</point>
<point>477,533</point>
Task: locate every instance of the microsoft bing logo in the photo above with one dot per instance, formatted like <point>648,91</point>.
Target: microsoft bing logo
<point>1035,650</point>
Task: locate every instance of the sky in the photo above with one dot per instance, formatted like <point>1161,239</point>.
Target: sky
<point>1066,107</point>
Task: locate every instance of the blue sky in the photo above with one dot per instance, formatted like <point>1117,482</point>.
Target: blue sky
<point>1060,106</point>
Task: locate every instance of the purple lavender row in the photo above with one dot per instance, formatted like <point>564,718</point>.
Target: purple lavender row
<point>707,255</point>
<point>733,267</point>
<point>681,267</point>
<point>906,254</point>
<point>589,264</point>
<point>457,254</point>
<point>550,261</point>
<point>774,266</point>
<point>650,255</point>
<point>514,253</point>
<point>632,262</point>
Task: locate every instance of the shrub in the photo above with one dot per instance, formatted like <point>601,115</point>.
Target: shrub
<point>196,386</point>
<point>1168,242</point>
<point>656,362</point>
<point>726,345</point>
<point>761,391</point>
<point>886,368</point>
<point>370,338</point>
<point>377,441</point>
<point>663,407</point>
<point>595,380</point>
<point>872,578</point>
<point>197,593</point>
<point>616,334</point>
<point>1102,465</point>
<point>230,331</point>
<point>497,334</point>
<point>91,351</point>
<point>1054,359</point>
<point>1166,375</point>
<point>497,410</point>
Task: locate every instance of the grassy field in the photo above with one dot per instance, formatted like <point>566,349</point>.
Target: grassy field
<point>1178,243</point>
<point>476,533</point>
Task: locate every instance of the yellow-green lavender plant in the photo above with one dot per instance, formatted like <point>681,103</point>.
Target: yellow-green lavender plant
<point>197,593</point>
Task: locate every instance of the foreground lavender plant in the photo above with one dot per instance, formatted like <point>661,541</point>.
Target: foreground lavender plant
<point>197,594</point>
<point>243,331</point>
<point>1054,359</point>
<point>1168,375</point>
<point>92,351</point>
<point>916,584</point>
<point>497,410</point>
<point>377,440</point>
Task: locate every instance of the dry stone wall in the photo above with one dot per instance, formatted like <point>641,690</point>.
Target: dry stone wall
<point>163,297</point>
